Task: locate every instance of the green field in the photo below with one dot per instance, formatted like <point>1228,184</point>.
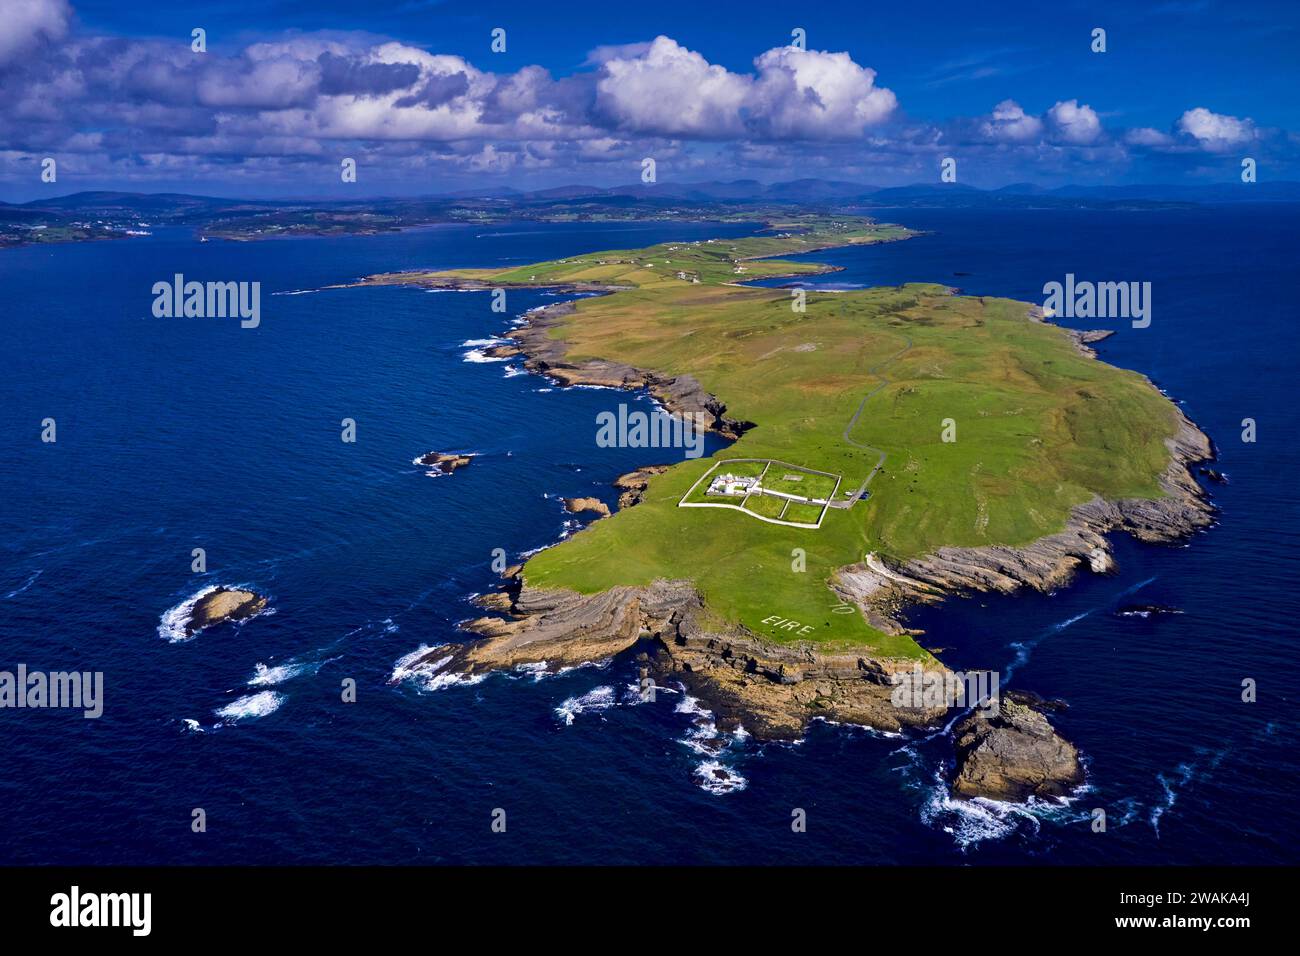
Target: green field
<point>1040,427</point>
<point>805,484</point>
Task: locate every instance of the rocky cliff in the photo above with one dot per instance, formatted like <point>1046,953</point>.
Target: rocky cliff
<point>1013,754</point>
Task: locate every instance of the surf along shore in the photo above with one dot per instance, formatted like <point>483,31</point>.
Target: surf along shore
<point>1010,452</point>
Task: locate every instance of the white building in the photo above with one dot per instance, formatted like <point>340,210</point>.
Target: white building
<point>734,485</point>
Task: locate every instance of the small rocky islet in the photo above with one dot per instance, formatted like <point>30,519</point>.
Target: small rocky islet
<point>443,462</point>
<point>223,604</point>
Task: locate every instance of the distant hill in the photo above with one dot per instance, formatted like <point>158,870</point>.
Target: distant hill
<point>180,205</point>
<point>115,214</point>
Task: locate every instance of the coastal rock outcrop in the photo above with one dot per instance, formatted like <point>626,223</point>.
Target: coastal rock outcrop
<point>634,483</point>
<point>1013,754</point>
<point>223,604</point>
<point>770,689</point>
<point>1083,340</point>
<point>443,463</point>
<point>579,505</point>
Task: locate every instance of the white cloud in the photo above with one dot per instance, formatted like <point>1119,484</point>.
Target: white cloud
<point>1216,131</point>
<point>672,91</point>
<point>27,23</point>
<point>815,95</point>
<point>1009,123</point>
<point>666,89</point>
<point>1074,124</point>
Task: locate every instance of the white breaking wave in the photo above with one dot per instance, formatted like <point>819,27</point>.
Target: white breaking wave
<point>251,707</point>
<point>634,695</point>
<point>704,739</point>
<point>717,779</point>
<point>525,555</point>
<point>477,356</point>
<point>264,676</point>
<point>172,625</point>
<point>866,728</point>
<point>691,705</point>
<point>541,670</point>
<point>409,665</point>
<point>479,343</point>
<point>452,679</point>
<point>971,821</point>
<point>425,674</point>
<point>595,700</point>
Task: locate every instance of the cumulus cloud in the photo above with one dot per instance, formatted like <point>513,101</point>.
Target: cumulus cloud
<point>1074,124</point>
<point>667,89</point>
<point>815,95</point>
<point>1009,123</point>
<point>1215,131</point>
<point>30,23</point>
<point>670,90</point>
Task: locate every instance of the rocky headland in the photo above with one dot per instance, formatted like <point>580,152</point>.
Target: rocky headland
<point>775,690</point>
<point>772,690</point>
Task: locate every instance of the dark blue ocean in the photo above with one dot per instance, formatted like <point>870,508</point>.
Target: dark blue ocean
<point>175,434</point>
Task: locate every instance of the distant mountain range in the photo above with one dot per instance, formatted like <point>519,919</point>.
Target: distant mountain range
<point>179,206</point>
<point>107,215</point>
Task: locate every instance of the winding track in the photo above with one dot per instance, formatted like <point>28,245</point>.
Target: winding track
<point>862,488</point>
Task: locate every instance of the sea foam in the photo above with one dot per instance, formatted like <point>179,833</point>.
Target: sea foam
<point>252,706</point>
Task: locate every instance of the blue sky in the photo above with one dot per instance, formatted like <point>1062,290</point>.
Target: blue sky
<point>584,91</point>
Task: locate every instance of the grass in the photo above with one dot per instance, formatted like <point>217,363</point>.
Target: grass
<point>1040,427</point>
